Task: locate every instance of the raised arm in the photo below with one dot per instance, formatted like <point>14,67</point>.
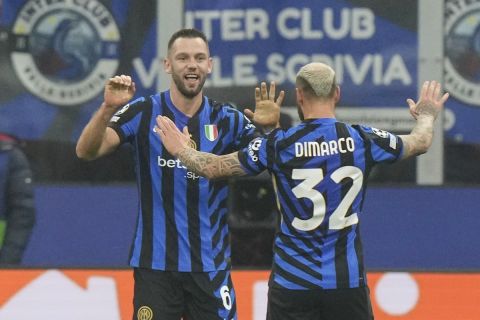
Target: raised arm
<point>425,111</point>
<point>205,164</point>
<point>97,139</point>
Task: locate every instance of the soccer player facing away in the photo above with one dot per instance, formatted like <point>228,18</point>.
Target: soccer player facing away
<point>319,170</point>
<point>181,249</point>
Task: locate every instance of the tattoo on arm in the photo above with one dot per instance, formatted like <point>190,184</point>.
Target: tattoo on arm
<point>210,165</point>
<point>420,139</point>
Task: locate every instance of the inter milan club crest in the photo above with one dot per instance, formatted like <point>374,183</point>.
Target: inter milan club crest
<point>211,132</point>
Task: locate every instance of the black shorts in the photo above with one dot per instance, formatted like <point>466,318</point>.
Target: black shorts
<point>166,295</point>
<point>331,304</point>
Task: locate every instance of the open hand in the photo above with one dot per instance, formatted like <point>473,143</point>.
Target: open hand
<point>430,101</point>
<point>172,139</point>
<point>267,109</point>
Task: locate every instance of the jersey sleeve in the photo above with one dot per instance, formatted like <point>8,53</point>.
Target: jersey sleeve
<point>258,155</point>
<point>127,119</point>
<point>384,146</point>
<point>245,130</point>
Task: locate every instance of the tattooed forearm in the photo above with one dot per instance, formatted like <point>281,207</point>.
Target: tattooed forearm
<point>210,165</point>
<point>420,139</point>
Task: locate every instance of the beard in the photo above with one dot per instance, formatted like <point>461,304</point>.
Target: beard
<point>184,90</point>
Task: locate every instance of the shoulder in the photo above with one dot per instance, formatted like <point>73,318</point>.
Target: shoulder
<point>371,132</point>
<point>140,102</point>
<point>222,107</point>
<point>133,107</point>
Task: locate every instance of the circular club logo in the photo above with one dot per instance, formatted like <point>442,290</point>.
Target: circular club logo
<point>64,51</point>
<point>462,50</point>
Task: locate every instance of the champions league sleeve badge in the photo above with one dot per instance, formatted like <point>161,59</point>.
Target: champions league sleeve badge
<point>63,51</point>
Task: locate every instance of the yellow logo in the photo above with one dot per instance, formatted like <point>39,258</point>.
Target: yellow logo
<point>145,313</point>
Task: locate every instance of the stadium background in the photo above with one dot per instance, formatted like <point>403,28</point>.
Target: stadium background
<point>419,225</point>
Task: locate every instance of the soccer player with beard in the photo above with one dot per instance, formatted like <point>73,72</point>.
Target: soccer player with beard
<point>181,249</point>
<point>319,169</point>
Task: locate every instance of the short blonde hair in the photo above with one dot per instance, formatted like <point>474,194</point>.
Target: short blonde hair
<point>318,79</point>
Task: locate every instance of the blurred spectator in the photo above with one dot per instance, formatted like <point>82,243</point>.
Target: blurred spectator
<point>17,212</point>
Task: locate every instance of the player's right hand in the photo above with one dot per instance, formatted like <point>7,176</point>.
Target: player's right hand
<point>119,90</point>
<point>267,108</point>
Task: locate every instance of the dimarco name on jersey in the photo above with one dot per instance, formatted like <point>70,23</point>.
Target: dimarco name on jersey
<point>324,148</point>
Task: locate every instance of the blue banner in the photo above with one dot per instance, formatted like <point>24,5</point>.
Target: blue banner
<point>375,57</point>
<point>56,55</point>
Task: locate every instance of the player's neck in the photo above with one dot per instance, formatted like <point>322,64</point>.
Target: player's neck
<point>188,106</point>
<point>316,111</point>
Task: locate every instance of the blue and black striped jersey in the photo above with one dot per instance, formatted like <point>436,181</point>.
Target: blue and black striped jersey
<point>182,222</point>
<point>319,170</point>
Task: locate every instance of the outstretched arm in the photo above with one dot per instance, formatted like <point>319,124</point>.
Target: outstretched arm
<point>97,139</point>
<point>425,111</point>
<point>205,164</point>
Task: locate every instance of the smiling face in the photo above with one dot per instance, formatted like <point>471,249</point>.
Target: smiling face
<point>189,63</point>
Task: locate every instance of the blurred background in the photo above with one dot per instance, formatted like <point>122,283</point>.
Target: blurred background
<point>419,225</point>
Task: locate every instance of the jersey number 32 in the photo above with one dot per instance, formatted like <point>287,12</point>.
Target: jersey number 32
<point>305,189</point>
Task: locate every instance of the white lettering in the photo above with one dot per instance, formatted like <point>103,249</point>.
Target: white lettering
<point>245,72</point>
<point>342,31</point>
<point>283,68</point>
<point>397,71</point>
<point>231,25</point>
<point>257,23</point>
<point>206,17</point>
<point>307,29</point>
<point>275,65</point>
<point>282,21</point>
<point>358,73</point>
<point>332,145</point>
<point>324,148</point>
<point>355,23</point>
<point>234,24</point>
<point>216,78</point>
<point>363,21</point>
<point>171,163</point>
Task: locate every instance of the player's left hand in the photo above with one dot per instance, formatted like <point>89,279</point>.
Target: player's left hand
<point>267,109</point>
<point>172,139</point>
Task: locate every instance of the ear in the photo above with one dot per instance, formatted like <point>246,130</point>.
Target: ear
<point>167,66</point>
<point>300,98</point>
<point>210,65</point>
<point>337,94</point>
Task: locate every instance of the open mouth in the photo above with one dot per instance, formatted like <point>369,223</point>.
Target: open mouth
<point>191,77</point>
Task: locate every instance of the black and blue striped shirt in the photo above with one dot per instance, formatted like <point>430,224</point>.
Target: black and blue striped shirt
<point>319,170</point>
<point>182,222</point>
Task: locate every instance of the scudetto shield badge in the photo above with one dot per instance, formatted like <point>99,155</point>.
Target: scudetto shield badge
<point>211,132</point>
